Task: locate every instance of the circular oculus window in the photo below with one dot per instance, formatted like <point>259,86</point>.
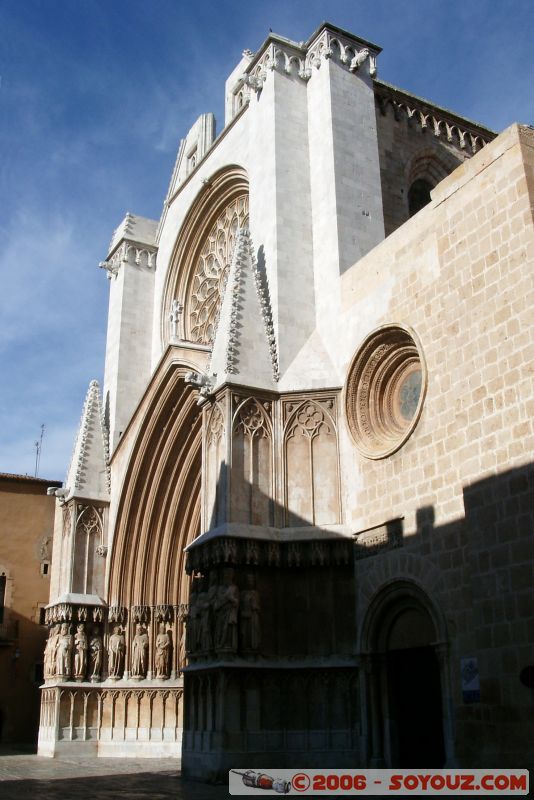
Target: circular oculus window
<point>385,390</point>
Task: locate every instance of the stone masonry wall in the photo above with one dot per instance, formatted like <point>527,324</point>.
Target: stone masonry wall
<point>460,273</point>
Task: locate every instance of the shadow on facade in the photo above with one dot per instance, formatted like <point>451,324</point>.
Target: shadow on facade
<point>22,644</point>
<point>385,650</point>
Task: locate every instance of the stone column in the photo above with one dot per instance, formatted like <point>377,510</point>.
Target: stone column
<point>441,650</point>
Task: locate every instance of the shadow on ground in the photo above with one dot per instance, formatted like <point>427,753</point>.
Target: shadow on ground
<point>153,785</point>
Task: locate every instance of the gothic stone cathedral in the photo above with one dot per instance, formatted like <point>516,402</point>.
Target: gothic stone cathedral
<point>297,528</point>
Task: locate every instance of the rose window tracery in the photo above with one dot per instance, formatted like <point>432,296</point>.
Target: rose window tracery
<point>211,270</point>
<point>385,390</point>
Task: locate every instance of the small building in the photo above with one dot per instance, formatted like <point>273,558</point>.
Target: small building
<point>26,537</point>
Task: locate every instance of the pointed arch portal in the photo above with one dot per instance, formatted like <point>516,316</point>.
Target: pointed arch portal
<point>159,511</point>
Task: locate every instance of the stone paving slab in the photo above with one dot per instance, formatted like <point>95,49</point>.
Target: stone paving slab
<point>24,776</point>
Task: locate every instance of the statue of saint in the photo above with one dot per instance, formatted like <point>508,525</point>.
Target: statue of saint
<point>204,643</point>
<point>226,608</point>
<point>64,652</point>
<point>50,654</point>
<point>182,627</point>
<point>163,652</point>
<point>140,653</point>
<point>116,650</point>
<point>249,617</point>
<point>95,655</point>
<point>80,653</point>
<point>192,621</point>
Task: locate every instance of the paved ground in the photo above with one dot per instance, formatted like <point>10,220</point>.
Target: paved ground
<point>25,776</point>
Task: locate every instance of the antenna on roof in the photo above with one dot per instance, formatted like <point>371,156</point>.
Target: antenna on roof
<point>38,449</point>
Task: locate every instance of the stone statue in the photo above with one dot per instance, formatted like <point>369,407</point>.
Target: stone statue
<point>163,652</point>
<point>95,655</point>
<point>140,653</point>
<point>226,609</point>
<point>116,650</point>
<point>192,619</point>
<point>249,616</point>
<point>182,627</point>
<point>205,600</point>
<point>50,654</point>
<point>80,653</point>
<point>64,652</point>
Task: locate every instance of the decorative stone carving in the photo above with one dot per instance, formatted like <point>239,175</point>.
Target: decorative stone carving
<point>129,253</point>
<point>251,420</point>
<point>50,652</point>
<point>92,420</point>
<point>268,554</point>
<point>44,549</point>
<point>226,605</point>
<point>215,425</point>
<point>140,653</point>
<point>309,420</point>
<point>192,618</point>
<point>331,44</point>
<point>175,314</point>
<point>359,59</point>
<point>182,633</point>
<point>117,614</point>
<point>416,111</point>
<point>102,550</point>
<point>64,652</point>
<point>90,520</point>
<point>96,653</point>
<point>201,381</point>
<point>141,614</point>
<point>163,653</point>
<point>211,270</point>
<point>386,385</point>
<point>80,652</point>
<point>249,617</point>
<point>67,519</point>
<point>116,651</point>
<point>163,613</point>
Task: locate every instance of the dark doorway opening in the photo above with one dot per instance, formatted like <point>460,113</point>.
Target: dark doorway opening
<point>418,195</point>
<point>414,690</point>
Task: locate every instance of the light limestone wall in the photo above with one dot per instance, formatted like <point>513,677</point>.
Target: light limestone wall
<point>129,340</point>
<point>346,203</point>
<point>293,292</point>
<point>459,274</point>
<point>356,168</point>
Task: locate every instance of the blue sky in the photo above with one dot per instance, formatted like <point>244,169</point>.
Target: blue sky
<point>94,98</point>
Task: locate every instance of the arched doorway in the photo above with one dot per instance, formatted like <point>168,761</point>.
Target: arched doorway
<point>406,686</point>
<point>414,690</point>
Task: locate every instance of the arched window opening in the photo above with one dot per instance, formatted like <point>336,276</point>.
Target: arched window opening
<point>419,195</point>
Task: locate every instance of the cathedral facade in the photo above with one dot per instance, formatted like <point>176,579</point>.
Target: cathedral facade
<point>297,527</point>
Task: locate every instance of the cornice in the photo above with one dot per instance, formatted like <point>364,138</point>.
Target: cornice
<point>427,115</point>
<point>129,252</point>
<point>301,58</point>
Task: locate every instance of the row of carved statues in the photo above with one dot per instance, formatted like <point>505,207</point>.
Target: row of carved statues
<point>79,655</point>
<point>222,618</point>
